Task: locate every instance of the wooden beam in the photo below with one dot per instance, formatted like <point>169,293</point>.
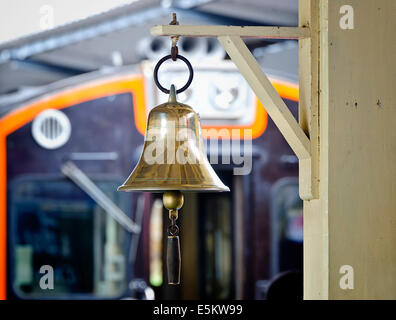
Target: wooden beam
<point>308,105</point>
<point>315,219</point>
<point>357,123</point>
<point>243,31</point>
<point>267,95</point>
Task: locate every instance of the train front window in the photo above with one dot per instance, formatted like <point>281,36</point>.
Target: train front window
<point>56,228</point>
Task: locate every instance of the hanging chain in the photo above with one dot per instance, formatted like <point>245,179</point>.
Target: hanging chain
<point>174,56</point>
<point>173,257</point>
<point>173,229</point>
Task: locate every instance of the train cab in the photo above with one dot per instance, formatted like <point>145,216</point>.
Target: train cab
<point>66,145</point>
<point>234,243</point>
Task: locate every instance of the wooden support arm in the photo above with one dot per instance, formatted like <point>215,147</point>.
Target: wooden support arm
<point>244,32</point>
<point>230,39</point>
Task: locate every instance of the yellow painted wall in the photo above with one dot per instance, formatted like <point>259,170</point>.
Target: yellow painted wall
<point>354,221</point>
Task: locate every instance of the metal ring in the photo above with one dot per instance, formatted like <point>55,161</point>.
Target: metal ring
<point>190,69</point>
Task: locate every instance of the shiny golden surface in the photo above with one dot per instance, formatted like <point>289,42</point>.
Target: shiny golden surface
<point>173,156</point>
<point>173,200</point>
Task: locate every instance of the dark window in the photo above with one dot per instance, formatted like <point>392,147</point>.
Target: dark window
<point>54,223</point>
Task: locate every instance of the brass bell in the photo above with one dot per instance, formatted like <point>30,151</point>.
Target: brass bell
<point>173,160</point>
<point>173,156</point>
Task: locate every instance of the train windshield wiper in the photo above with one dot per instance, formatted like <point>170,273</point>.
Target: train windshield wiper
<point>70,170</point>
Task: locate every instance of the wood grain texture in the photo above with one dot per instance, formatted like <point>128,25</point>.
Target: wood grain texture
<point>358,151</point>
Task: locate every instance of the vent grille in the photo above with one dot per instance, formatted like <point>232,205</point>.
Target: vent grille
<point>51,129</point>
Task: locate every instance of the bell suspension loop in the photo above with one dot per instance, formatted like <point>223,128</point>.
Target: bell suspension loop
<point>173,56</point>
<point>172,94</point>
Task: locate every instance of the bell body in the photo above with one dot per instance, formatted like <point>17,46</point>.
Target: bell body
<point>173,156</point>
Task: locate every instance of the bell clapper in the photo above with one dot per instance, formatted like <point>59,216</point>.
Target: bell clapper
<point>173,201</point>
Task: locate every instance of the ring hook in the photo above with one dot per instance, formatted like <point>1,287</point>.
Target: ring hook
<point>161,61</point>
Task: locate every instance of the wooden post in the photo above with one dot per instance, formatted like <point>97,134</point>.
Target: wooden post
<point>358,150</point>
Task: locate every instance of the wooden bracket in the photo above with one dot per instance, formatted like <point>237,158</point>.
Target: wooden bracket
<point>245,32</point>
<point>230,39</point>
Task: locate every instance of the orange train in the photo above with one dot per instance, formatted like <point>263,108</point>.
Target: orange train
<point>58,239</point>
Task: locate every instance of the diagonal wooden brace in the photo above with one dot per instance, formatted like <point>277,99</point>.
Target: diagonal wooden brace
<point>274,105</point>
<point>266,93</point>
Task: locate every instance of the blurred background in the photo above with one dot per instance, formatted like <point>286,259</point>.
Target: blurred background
<point>76,86</point>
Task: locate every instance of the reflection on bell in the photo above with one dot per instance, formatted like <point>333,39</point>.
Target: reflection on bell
<point>173,156</point>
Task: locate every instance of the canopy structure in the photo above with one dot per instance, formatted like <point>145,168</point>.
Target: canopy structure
<point>113,37</point>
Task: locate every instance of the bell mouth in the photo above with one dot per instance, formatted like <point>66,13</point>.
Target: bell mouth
<point>184,188</point>
<point>180,161</point>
